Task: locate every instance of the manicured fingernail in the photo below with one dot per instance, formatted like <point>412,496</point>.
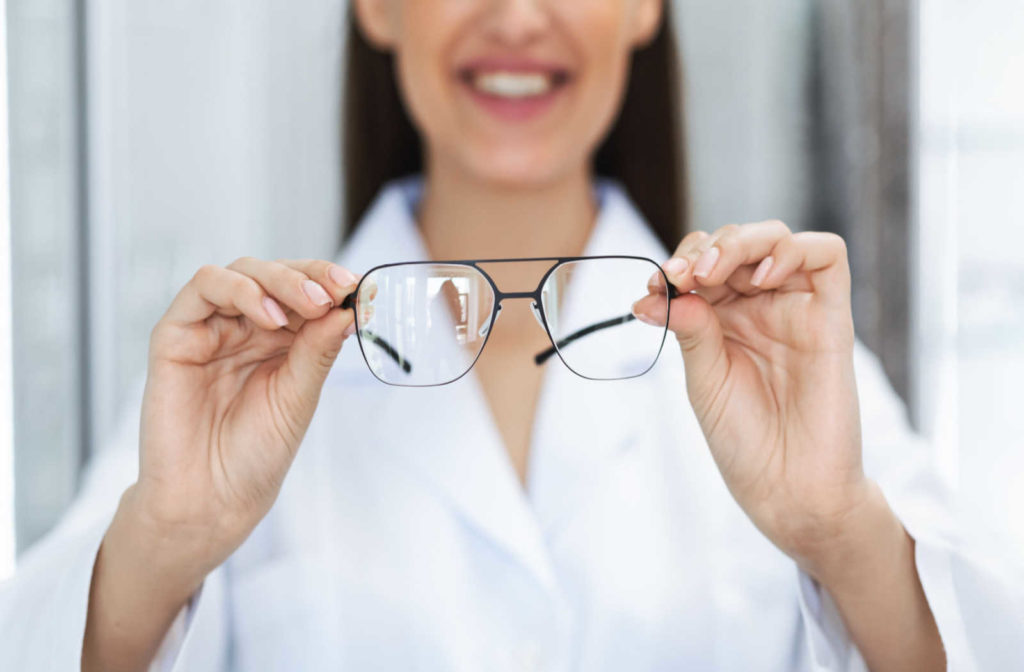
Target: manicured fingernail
<point>341,276</point>
<point>761,272</point>
<point>350,329</point>
<point>675,266</point>
<point>656,283</point>
<point>643,317</point>
<point>316,293</point>
<point>274,311</point>
<point>706,262</point>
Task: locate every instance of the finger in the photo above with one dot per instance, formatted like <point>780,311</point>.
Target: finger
<point>679,266</point>
<point>699,333</point>
<point>314,351</point>
<point>219,290</point>
<point>735,247</point>
<point>821,256</point>
<point>295,290</point>
<point>337,280</point>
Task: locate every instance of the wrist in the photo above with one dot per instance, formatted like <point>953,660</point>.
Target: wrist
<point>141,579</point>
<point>868,544</point>
<point>177,557</point>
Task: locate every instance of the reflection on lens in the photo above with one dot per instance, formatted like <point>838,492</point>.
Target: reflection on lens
<point>595,332</point>
<point>423,324</point>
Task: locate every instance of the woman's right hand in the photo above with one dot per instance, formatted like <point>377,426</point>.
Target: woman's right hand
<point>235,371</point>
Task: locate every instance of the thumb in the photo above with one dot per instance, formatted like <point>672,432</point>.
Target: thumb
<point>699,333</point>
<point>314,350</point>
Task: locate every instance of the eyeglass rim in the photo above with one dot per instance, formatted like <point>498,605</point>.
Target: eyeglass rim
<point>498,296</point>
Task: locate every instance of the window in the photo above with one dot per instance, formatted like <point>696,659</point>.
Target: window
<point>6,378</point>
<point>969,318</point>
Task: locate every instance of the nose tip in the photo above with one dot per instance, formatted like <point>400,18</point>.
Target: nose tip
<point>518,21</point>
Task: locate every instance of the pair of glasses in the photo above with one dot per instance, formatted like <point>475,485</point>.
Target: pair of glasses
<point>425,323</point>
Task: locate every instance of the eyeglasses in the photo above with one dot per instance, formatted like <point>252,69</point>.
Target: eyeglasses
<point>425,323</point>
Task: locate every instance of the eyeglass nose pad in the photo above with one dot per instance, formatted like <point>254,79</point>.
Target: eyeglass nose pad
<point>536,313</point>
<point>485,328</point>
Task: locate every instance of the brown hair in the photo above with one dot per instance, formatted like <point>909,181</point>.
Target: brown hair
<point>644,149</point>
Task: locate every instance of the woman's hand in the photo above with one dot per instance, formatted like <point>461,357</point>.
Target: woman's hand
<point>767,340</point>
<point>765,326</point>
<point>235,371</point>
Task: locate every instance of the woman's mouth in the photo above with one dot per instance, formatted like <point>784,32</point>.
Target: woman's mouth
<point>514,92</point>
<point>517,84</point>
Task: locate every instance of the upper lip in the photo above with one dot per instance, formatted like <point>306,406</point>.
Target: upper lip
<point>512,64</point>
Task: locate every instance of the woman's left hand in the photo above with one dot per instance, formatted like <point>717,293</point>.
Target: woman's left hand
<point>765,326</point>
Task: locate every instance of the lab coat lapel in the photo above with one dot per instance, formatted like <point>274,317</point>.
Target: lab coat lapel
<point>583,427</point>
<point>446,433</point>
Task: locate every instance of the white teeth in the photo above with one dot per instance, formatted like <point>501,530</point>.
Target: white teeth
<point>512,84</point>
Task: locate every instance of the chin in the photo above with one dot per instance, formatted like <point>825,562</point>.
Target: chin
<point>519,167</point>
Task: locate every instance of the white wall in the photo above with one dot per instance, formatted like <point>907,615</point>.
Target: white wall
<point>214,133</point>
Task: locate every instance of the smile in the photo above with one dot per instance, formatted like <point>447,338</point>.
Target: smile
<point>514,90</point>
<point>515,85</point>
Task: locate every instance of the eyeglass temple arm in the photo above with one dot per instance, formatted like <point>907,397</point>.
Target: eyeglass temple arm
<point>544,356</point>
<point>367,336</point>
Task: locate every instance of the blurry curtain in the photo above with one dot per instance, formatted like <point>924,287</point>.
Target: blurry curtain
<point>861,92</point>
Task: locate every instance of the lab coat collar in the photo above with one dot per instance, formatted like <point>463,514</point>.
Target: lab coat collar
<point>447,433</point>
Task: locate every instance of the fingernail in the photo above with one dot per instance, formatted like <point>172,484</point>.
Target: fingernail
<point>274,311</point>
<point>707,262</point>
<point>646,319</point>
<point>761,272</point>
<point>676,266</point>
<point>350,329</point>
<point>316,293</point>
<point>341,276</point>
<point>656,283</point>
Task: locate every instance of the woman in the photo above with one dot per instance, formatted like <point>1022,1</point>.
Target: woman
<point>724,511</point>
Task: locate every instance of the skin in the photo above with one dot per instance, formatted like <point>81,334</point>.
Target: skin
<point>766,335</point>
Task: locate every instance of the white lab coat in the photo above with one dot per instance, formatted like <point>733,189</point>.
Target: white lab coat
<point>402,539</point>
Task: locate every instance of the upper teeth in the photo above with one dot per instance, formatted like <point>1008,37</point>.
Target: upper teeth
<point>512,85</point>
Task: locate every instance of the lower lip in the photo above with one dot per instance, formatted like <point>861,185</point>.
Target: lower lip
<point>515,109</point>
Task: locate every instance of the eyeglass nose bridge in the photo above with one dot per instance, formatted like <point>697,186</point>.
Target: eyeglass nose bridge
<point>534,304</point>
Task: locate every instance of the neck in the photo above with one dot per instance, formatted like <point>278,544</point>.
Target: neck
<point>464,217</point>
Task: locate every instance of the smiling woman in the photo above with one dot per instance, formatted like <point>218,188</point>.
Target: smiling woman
<point>644,149</point>
<point>754,500</point>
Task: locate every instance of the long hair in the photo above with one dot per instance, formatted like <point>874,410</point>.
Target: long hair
<point>644,149</point>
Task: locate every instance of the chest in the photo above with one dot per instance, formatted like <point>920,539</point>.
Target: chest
<point>511,381</point>
<point>424,553</point>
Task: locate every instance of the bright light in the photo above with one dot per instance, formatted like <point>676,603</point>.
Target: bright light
<point>6,377</point>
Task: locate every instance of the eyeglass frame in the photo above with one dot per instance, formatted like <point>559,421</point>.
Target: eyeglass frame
<point>538,306</point>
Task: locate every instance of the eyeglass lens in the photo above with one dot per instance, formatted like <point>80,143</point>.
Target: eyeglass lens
<point>423,324</point>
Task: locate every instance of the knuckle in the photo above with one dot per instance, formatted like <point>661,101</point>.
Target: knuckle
<point>728,231</point>
<point>244,261</point>
<point>156,335</point>
<point>779,225</point>
<point>836,241</point>
<point>206,272</point>
<point>785,246</point>
<point>246,286</point>
<point>287,276</point>
<point>692,238</point>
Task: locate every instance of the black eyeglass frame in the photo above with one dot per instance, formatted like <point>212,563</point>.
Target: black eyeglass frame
<point>538,304</point>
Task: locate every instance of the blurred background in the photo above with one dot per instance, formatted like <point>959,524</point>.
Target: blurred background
<point>143,138</point>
